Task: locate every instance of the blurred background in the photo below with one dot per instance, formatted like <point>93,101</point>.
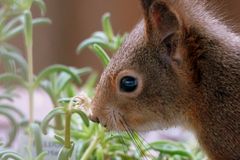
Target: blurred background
<point>75,20</point>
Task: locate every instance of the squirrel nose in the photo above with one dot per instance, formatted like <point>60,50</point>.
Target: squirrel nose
<point>94,119</point>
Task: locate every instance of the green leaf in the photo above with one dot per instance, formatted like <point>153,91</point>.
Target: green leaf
<point>92,146</point>
<point>81,147</point>
<point>59,139</point>
<point>100,153</point>
<point>107,27</point>
<point>24,4</point>
<point>16,57</point>
<point>41,156</point>
<point>101,54</point>
<point>6,97</point>
<point>116,147</point>
<point>82,115</point>
<point>11,24</point>
<point>41,5</point>
<point>9,108</point>
<point>16,30</point>
<point>36,131</point>
<point>118,40</point>
<point>120,137</point>
<point>81,71</point>
<point>25,123</point>
<point>70,90</point>
<point>64,78</point>
<point>80,135</point>
<point>10,48</point>
<point>91,41</point>
<point>10,155</point>
<point>77,148</point>
<point>100,35</point>
<point>55,112</point>
<point>170,148</point>
<point>14,126</point>
<point>47,87</point>
<point>55,69</point>
<point>28,26</point>
<point>9,77</point>
<point>65,153</point>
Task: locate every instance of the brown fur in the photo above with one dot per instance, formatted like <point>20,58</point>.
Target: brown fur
<point>189,63</point>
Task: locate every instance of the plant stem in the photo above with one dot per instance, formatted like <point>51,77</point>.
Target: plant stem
<point>58,122</point>
<point>58,118</point>
<point>30,79</point>
<point>28,35</point>
<point>90,149</point>
<point>68,129</point>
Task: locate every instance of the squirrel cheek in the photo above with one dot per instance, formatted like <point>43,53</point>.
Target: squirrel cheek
<point>135,120</point>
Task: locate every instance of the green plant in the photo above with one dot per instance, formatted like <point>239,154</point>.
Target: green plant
<point>79,138</point>
<point>15,18</point>
<point>67,111</point>
<point>101,40</point>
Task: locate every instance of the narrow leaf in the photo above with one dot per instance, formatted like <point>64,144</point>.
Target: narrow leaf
<point>14,128</point>
<point>20,28</point>
<point>9,155</point>
<point>59,139</point>
<point>107,27</point>
<point>41,156</point>
<point>100,153</point>
<point>10,108</point>
<point>28,33</point>
<point>11,24</point>
<point>36,131</point>
<point>16,57</point>
<point>55,69</point>
<point>91,41</point>
<point>170,148</point>
<point>101,54</point>
<point>55,112</point>
<point>41,5</point>
<point>9,77</point>
<point>100,35</point>
<point>82,115</point>
<point>65,153</point>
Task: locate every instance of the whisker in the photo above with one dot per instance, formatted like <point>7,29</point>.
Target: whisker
<point>140,139</point>
<point>131,135</point>
<point>144,143</point>
<point>121,137</point>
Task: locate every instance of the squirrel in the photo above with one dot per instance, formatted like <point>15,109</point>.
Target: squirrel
<point>180,66</point>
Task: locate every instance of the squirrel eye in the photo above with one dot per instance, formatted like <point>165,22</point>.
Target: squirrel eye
<point>128,84</point>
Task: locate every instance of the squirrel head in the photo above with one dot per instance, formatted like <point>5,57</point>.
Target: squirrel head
<point>145,85</point>
<point>179,66</point>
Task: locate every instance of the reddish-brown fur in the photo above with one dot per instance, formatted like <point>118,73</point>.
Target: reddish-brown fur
<point>189,64</point>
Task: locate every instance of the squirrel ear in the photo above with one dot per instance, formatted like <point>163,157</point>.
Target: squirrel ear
<point>146,4</point>
<point>160,20</point>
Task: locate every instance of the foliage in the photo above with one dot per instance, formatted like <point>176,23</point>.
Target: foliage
<point>79,138</point>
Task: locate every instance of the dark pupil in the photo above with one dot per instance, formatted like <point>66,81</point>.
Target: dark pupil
<point>128,84</point>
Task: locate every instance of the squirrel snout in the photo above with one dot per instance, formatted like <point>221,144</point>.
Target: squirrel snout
<point>94,119</point>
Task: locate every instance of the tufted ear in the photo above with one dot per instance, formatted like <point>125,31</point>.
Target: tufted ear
<point>160,19</point>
